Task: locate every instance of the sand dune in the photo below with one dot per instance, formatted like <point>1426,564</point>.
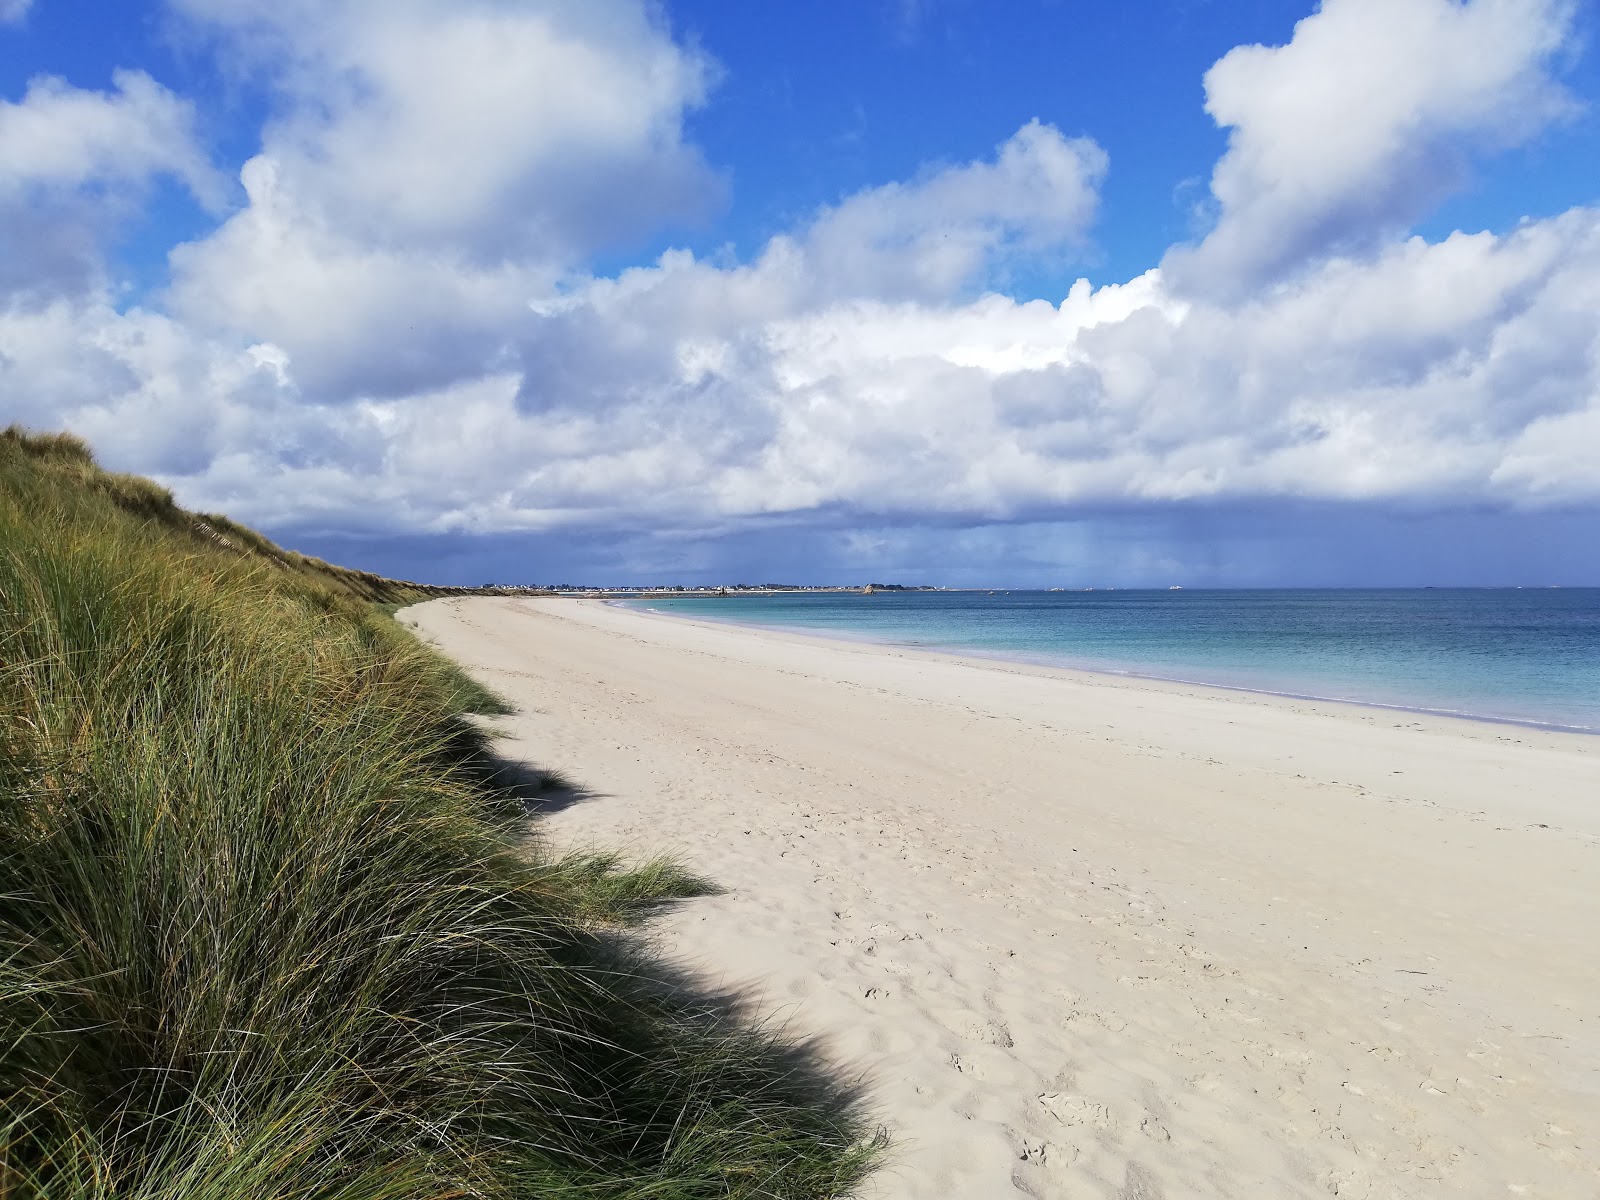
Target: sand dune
<point>1086,936</point>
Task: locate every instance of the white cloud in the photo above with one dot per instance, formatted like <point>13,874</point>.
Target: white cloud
<point>939,233</point>
<point>1418,376</point>
<point>1364,121</point>
<point>59,136</point>
<point>436,166</point>
<point>351,316</point>
<point>476,127</point>
<point>13,11</point>
<point>1462,372</point>
<point>74,162</point>
<point>363,315</point>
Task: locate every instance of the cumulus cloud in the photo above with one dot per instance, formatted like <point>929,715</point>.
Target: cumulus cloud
<point>394,333</point>
<point>73,161</point>
<point>598,345</point>
<point>935,235</point>
<point>434,166</point>
<point>1458,373</point>
<point>478,127</point>
<point>66,137</point>
<point>1430,373</point>
<point>1363,122</point>
<point>352,317</point>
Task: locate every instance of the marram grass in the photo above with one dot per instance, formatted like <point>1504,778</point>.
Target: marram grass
<point>266,933</point>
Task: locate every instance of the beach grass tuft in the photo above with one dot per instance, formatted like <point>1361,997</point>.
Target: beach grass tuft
<point>266,930</point>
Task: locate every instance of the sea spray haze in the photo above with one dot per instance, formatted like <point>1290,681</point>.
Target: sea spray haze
<point>1519,654</point>
<point>265,934</point>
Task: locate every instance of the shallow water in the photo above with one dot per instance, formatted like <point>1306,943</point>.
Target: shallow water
<point>1529,655</point>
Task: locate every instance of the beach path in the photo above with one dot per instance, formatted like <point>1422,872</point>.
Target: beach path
<point>1091,936</point>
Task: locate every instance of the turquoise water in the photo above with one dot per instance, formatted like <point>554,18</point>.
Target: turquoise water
<point>1528,655</point>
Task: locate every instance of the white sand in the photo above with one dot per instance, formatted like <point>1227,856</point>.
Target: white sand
<point>1087,936</point>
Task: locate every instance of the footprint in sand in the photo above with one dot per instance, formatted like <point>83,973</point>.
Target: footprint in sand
<point>1076,1110</point>
<point>1081,1017</point>
<point>1154,1130</point>
<point>1035,1151</point>
<point>973,1026</point>
<point>963,1067</point>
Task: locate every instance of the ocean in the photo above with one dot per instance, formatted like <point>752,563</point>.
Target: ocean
<point>1528,655</point>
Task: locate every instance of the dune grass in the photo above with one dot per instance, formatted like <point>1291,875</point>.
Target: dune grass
<point>266,933</point>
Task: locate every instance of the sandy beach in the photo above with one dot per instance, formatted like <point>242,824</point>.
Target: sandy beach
<point>1084,935</point>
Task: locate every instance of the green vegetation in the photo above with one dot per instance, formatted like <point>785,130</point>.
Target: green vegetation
<point>267,933</point>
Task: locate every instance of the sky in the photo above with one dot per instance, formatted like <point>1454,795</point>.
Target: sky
<point>1048,293</point>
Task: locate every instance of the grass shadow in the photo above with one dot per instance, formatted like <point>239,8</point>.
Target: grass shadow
<point>714,1029</point>
<point>782,1067</point>
<point>538,790</point>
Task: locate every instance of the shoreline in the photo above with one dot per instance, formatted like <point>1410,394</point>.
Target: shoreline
<point>1087,935</point>
<point>978,656</point>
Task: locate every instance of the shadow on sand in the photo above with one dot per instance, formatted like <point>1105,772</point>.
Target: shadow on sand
<point>676,1025</point>
<point>540,791</point>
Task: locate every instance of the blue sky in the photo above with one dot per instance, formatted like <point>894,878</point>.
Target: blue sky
<point>709,290</point>
<point>821,100</point>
